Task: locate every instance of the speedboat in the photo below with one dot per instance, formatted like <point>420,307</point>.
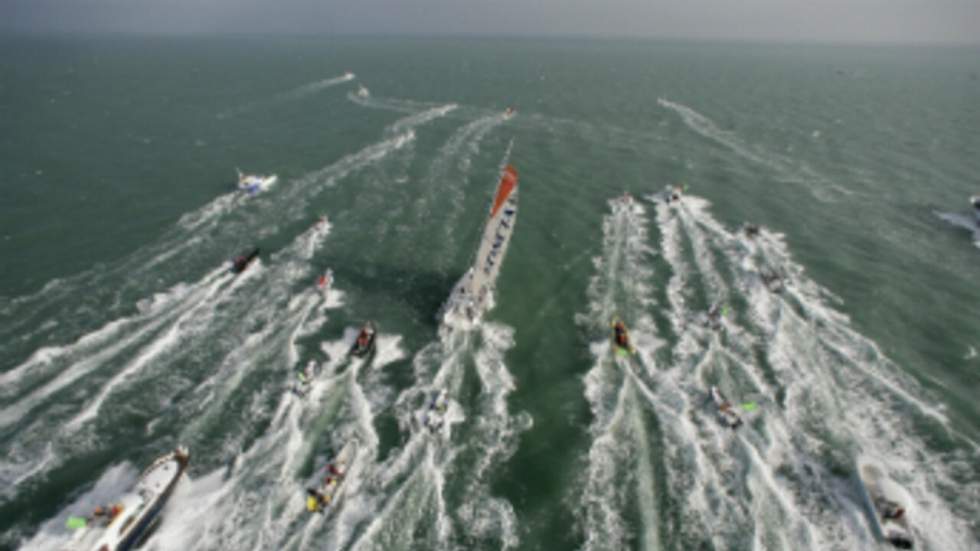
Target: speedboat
<point>365,341</point>
<point>255,183</point>
<point>726,411</point>
<point>751,230</point>
<point>242,262</point>
<point>363,92</point>
<point>621,338</point>
<point>326,491</point>
<point>888,502</point>
<point>123,525</point>
<point>509,113</point>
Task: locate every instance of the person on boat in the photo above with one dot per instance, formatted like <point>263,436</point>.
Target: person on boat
<point>100,513</point>
<point>316,500</point>
<point>619,328</point>
<point>363,338</point>
<point>312,503</point>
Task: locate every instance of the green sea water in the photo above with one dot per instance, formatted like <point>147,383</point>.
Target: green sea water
<point>123,335</point>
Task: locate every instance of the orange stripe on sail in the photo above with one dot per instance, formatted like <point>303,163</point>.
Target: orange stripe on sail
<point>507,185</point>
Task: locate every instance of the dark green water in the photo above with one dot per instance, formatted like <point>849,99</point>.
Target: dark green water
<point>121,334</point>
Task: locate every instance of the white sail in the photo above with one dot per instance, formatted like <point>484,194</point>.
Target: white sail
<point>472,296</point>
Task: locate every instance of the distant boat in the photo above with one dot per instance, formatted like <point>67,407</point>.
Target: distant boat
<point>471,296</point>
<point>254,183</point>
<point>363,92</point>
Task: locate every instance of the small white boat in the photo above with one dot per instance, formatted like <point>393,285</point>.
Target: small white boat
<point>363,92</point>
<point>509,113</point>
<point>255,183</point>
<point>889,503</point>
<point>124,524</point>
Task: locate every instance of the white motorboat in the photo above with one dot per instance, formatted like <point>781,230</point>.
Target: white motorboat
<point>126,522</point>
<point>255,183</point>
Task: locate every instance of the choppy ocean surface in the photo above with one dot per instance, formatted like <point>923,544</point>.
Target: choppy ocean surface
<point>122,334</point>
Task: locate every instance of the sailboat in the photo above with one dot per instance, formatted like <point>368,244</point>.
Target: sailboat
<point>472,295</point>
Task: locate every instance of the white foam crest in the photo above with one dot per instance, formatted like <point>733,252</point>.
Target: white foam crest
<point>307,302</point>
<point>440,171</point>
<point>423,117</point>
<point>190,497</point>
<point>317,86</point>
<point>689,208</point>
<point>279,519</point>
<point>368,155</point>
<point>175,296</point>
<point>620,284</point>
<point>86,365</point>
<point>710,458</point>
<point>218,207</point>
<point>152,351</point>
<point>789,169</point>
<point>604,525</point>
<point>396,523</point>
<point>822,364</point>
<point>707,128</point>
<point>295,94</point>
<point>391,104</point>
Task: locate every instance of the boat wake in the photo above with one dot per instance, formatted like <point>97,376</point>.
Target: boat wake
<point>298,93</point>
<point>786,478</point>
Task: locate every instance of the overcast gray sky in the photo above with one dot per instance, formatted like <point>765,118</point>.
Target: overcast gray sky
<point>954,21</point>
